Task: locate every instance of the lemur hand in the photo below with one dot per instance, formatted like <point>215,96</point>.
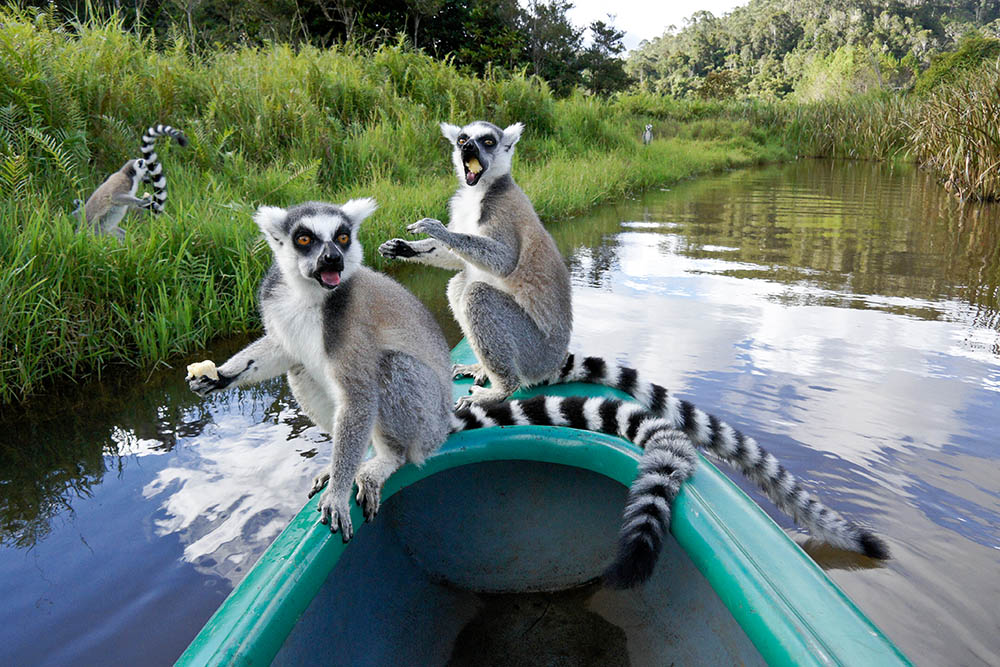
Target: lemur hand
<point>336,512</point>
<point>397,249</point>
<point>429,226</point>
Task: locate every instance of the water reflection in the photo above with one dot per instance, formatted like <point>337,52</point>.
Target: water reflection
<point>844,314</point>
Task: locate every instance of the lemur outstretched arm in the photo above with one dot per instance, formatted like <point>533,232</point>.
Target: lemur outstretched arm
<point>425,251</point>
<point>482,252</point>
<point>261,360</point>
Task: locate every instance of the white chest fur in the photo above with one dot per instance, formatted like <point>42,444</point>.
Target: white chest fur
<point>466,207</point>
<point>297,324</point>
<point>466,210</point>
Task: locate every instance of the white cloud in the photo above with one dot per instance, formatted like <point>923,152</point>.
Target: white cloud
<point>645,20</point>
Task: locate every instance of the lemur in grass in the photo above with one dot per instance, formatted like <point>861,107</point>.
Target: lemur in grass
<point>107,206</point>
<point>512,299</point>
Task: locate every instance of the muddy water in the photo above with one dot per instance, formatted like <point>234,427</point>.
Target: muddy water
<point>844,314</point>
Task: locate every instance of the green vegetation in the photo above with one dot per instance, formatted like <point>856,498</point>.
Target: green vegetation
<point>816,49</point>
<point>276,125</point>
<point>287,121</point>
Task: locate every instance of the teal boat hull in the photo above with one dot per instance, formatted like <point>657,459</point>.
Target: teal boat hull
<point>529,509</point>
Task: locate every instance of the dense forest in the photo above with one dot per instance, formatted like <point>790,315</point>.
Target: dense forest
<point>814,49</point>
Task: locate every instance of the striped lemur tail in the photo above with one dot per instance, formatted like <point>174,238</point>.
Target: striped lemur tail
<point>155,174</point>
<point>738,450</point>
<point>668,460</point>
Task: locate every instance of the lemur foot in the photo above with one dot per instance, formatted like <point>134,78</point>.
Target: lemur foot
<point>369,493</point>
<point>336,512</point>
<point>319,481</point>
<point>397,249</point>
<point>429,226</point>
<point>475,371</point>
<point>481,395</point>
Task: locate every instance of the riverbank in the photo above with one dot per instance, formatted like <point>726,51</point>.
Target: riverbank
<point>269,125</point>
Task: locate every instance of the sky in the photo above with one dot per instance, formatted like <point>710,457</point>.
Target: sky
<point>645,19</point>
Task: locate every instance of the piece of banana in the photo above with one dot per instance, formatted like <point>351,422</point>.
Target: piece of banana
<point>474,166</point>
<point>200,368</point>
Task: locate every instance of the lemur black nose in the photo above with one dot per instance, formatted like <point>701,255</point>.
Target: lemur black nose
<point>469,148</point>
<point>332,258</point>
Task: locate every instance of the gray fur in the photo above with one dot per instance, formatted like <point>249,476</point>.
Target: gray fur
<point>511,295</point>
<point>647,135</point>
<point>106,207</point>
<point>364,358</point>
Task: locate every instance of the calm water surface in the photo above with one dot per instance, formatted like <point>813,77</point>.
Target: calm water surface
<point>846,315</point>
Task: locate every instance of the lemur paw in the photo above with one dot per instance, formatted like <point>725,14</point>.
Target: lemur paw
<point>397,249</point>
<point>475,371</point>
<point>319,481</point>
<point>481,395</point>
<point>369,494</point>
<point>336,513</point>
<point>428,226</point>
<point>203,385</point>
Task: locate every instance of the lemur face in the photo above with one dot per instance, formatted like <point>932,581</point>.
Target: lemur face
<point>316,244</point>
<point>481,150</point>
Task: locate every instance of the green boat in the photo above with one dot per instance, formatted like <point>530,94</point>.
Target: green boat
<point>489,553</point>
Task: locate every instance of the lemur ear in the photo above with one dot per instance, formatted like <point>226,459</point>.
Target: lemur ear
<point>511,135</point>
<point>359,209</point>
<point>271,220</point>
<point>450,132</point>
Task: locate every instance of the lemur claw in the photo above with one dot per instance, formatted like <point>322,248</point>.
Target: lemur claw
<point>319,481</point>
<point>336,514</point>
<point>429,226</point>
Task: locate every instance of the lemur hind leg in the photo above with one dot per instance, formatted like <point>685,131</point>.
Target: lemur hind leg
<point>407,428</point>
<point>511,348</point>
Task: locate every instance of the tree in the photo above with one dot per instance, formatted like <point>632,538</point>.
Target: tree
<point>553,44</point>
<point>604,71</point>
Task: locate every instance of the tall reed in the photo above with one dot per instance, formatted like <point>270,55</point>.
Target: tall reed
<point>956,132</point>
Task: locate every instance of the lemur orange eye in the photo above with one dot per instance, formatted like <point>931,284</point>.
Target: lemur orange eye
<point>489,142</point>
<point>303,239</point>
<point>461,141</point>
<point>343,239</point>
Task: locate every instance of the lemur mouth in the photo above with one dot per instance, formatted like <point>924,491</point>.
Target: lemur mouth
<point>328,279</point>
<point>473,171</point>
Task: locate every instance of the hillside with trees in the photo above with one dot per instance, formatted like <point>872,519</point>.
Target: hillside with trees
<point>810,49</point>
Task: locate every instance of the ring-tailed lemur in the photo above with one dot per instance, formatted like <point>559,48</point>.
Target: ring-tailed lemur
<point>511,295</point>
<point>365,359</point>
<point>647,135</point>
<point>155,174</point>
<point>738,450</point>
<point>106,207</point>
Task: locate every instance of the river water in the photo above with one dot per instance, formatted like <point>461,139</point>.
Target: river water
<point>847,315</point>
